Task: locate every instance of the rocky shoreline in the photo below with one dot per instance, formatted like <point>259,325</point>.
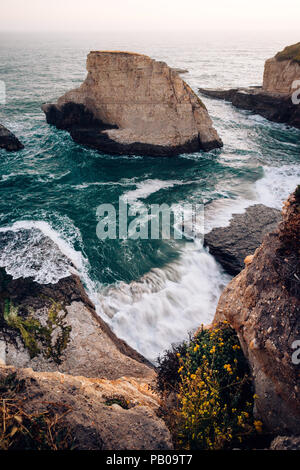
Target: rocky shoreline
<point>274,107</point>
<point>273,100</point>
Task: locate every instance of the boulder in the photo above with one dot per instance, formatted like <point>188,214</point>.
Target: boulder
<point>8,140</point>
<point>231,245</point>
<point>132,104</point>
<point>262,304</point>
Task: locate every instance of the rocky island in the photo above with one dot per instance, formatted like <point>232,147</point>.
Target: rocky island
<point>9,141</point>
<point>132,104</point>
<point>272,100</point>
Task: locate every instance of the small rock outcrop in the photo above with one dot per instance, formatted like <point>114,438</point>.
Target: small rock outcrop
<point>273,99</point>
<point>132,104</point>
<point>9,141</point>
<point>231,245</point>
<point>263,305</point>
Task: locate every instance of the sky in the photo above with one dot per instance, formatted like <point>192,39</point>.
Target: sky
<point>149,15</point>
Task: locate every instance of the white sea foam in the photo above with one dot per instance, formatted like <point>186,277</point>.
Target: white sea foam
<point>277,184</point>
<point>29,252</point>
<point>166,304</point>
<point>147,187</point>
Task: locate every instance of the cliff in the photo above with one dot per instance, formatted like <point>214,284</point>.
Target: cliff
<point>272,100</point>
<point>263,305</point>
<point>132,104</point>
<point>58,357</point>
<point>282,70</point>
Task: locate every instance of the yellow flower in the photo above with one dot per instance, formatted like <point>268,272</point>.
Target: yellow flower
<point>258,426</point>
<point>196,348</point>
<point>227,367</point>
<point>193,376</point>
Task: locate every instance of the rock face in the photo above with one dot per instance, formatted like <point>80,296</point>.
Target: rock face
<point>285,443</point>
<point>263,305</point>
<point>91,417</point>
<point>230,245</point>
<point>8,140</point>
<point>132,104</point>
<point>63,352</point>
<point>282,70</point>
<point>273,100</point>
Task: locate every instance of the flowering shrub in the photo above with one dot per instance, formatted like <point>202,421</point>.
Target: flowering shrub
<point>214,393</point>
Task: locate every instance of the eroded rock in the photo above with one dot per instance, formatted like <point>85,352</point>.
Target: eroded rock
<point>93,422</point>
<point>132,104</point>
<point>263,305</point>
<point>8,140</point>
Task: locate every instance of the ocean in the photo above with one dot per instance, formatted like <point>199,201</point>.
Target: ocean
<point>151,292</point>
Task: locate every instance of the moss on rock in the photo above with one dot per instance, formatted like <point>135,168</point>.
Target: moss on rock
<point>290,53</point>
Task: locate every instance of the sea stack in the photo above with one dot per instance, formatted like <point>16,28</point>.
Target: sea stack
<point>273,100</point>
<point>132,104</point>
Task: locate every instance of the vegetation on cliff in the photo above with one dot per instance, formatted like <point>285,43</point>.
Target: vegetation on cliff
<point>49,339</point>
<point>206,391</point>
<point>290,53</point>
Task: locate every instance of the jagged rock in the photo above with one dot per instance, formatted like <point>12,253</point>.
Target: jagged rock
<point>263,305</point>
<point>231,245</point>
<point>8,140</point>
<point>92,420</point>
<point>273,100</point>
<point>132,104</point>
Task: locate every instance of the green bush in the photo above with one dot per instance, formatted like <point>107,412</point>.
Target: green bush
<point>212,382</point>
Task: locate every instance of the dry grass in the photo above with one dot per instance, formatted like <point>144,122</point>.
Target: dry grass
<point>21,429</point>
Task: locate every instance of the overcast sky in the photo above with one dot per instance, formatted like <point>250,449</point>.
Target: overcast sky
<point>150,15</point>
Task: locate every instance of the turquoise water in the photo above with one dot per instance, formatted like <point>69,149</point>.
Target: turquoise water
<point>151,292</point>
